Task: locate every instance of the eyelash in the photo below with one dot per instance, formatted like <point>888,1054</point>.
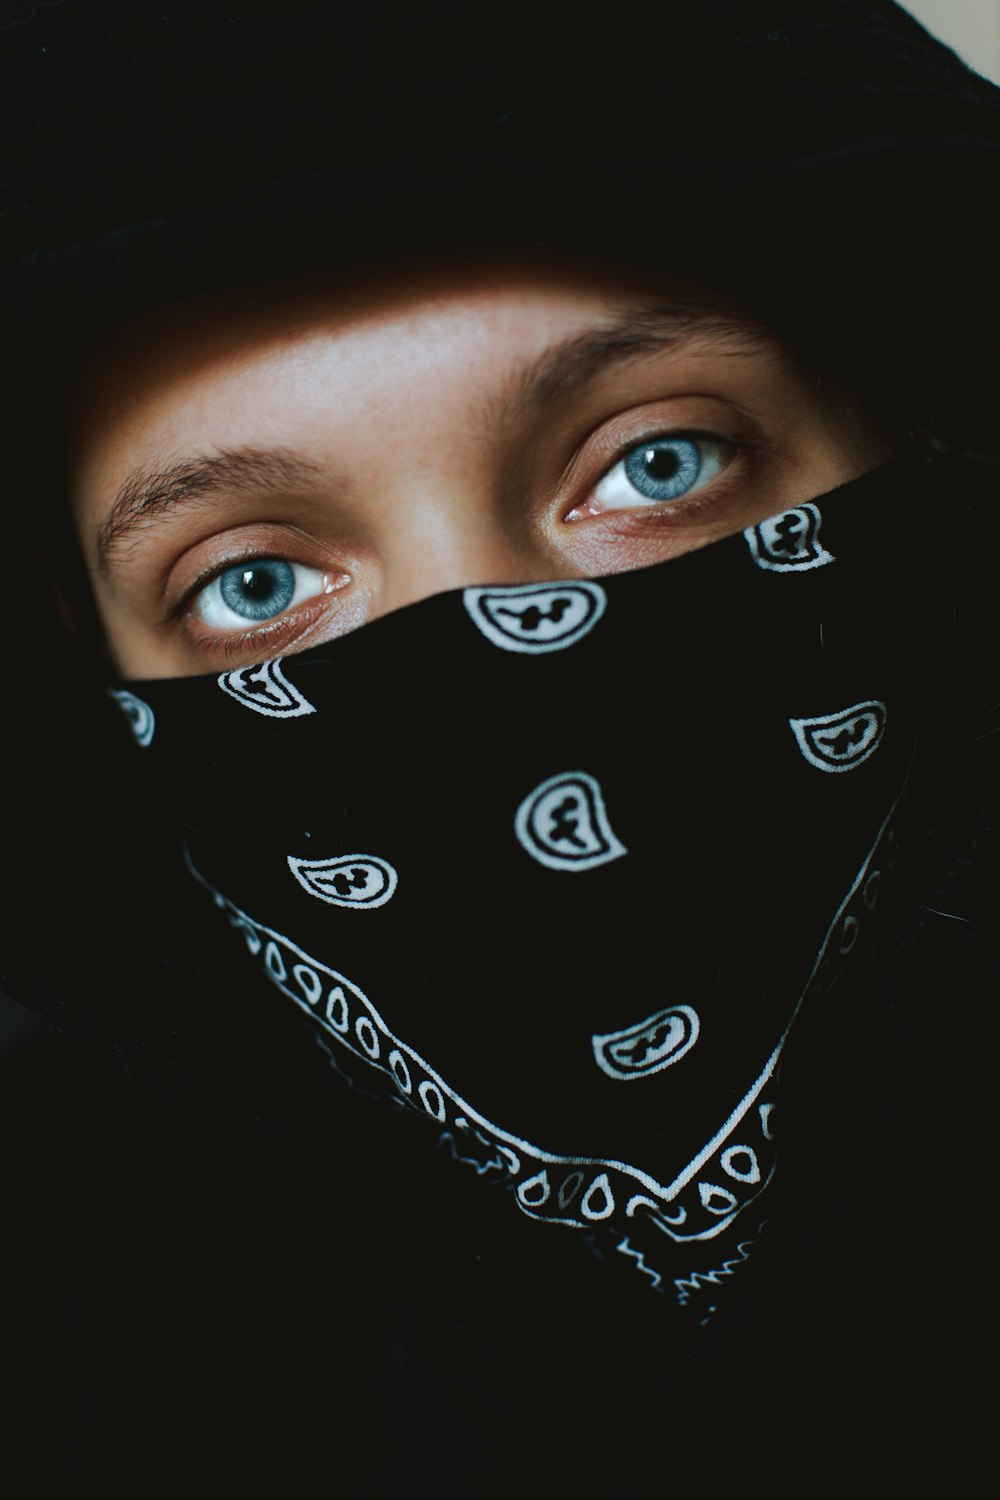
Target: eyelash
<point>719,451</point>
<point>280,631</point>
<point>273,638</point>
<point>273,635</point>
<point>211,599</point>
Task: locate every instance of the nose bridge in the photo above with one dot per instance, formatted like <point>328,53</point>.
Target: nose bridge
<point>440,499</point>
<point>449,533</point>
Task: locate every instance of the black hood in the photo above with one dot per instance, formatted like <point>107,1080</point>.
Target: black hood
<point>832,165</point>
<point>831,162</point>
<point>155,150</point>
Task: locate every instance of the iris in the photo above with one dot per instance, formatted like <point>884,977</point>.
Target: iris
<point>258,590</point>
<point>664,469</point>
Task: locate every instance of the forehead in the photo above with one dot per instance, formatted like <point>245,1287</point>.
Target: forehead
<point>446,357</point>
<point>415,316</point>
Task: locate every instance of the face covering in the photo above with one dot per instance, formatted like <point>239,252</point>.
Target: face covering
<point>557,865</point>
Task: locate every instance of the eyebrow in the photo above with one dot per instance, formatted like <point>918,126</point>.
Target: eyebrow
<point>558,372</point>
<point>148,493</point>
<point>151,492</point>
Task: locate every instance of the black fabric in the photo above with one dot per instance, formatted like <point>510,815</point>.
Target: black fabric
<point>557,866</point>
<point>178,105</point>
<point>207,1282</point>
<point>195,1305</point>
<point>190,146</point>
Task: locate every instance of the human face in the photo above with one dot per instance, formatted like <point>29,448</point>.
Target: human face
<point>255,473</point>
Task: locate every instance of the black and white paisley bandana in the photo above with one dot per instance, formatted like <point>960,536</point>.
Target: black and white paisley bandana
<point>558,865</point>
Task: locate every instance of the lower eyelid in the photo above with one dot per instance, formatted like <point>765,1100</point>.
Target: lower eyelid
<point>286,632</point>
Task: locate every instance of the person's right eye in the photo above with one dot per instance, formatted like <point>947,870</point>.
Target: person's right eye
<point>255,591</point>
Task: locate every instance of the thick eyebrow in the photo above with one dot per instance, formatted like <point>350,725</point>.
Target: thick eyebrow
<point>147,493</point>
<point>559,372</point>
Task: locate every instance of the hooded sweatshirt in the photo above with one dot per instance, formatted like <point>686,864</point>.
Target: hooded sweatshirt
<point>833,165</point>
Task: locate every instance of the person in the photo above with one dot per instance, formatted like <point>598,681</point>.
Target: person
<point>276,392</point>
<point>528,620</point>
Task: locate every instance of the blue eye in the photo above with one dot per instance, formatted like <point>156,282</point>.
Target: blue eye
<point>260,590</point>
<point>252,592</point>
<point>663,469</point>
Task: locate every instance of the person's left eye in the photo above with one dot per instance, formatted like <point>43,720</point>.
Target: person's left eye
<point>661,470</point>
<point>253,592</point>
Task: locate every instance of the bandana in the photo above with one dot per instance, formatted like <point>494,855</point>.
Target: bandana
<point>556,866</point>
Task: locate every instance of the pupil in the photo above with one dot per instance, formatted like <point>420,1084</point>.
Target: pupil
<point>258,584</point>
<point>661,463</point>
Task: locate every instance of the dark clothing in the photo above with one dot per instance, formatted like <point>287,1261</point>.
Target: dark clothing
<point>203,1290</point>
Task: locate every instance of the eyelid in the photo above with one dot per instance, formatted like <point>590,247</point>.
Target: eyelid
<point>215,611</point>
<point>292,629</point>
<point>694,499</point>
<point>269,638</point>
<point>695,415</point>
<point>242,558</point>
<point>225,539</point>
<point>715,457</point>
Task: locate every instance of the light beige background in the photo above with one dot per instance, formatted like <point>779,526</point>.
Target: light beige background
<point>971,27</point>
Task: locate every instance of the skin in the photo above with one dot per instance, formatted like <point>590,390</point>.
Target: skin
<point>401,433</point>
